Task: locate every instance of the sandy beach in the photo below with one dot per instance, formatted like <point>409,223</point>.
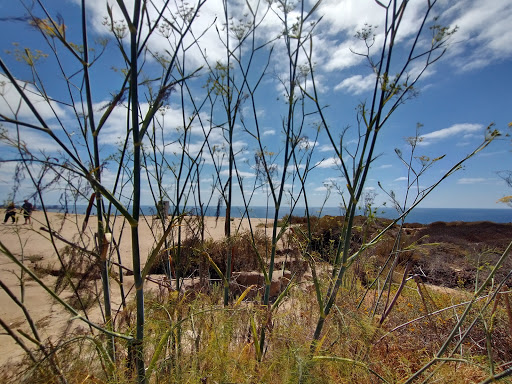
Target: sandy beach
<point>32,244</point>
<point>446,262</point>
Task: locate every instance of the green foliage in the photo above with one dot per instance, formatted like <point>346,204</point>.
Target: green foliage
<point>355,308</point>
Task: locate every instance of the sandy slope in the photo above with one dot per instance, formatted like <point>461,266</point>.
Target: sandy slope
<point>32,244</point>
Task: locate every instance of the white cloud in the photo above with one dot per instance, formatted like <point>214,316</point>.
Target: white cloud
<point>170,141</point>
<point>11,101</point>
<point>494,153</point>
<point>350,15</point>
<point>334,181</point>
<point>341,57</point>
<point>454,130</point>
<point>207,30</point>
<point>115,128</point>
<point>326,148</point>
<point>306,144</point>
<point>26,188</point>
<point>328,184</point>
<point>357,84</point>
<point>471,180</point>
<point>248,111</point>
<point>40,142</point>
<point>328,163</point>
<point>241,173</point>
<point>483,35</point>
<point>350,142</point>
<point>402,178</point>
<point>343,18</point>
<point>7,171</point>
<point>269,132</point>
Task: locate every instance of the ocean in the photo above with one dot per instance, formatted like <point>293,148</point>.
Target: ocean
<point>417,215</point>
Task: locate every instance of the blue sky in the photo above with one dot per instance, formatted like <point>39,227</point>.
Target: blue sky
<point>459,96</point>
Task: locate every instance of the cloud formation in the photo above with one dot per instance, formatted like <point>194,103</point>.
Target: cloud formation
<point>471,180</point>
<point>462,131</point>
<point>483,35</point>
<point>11,101</point>
<point>240,173</point>
<point>357,84</point>
<point>325,148</point>
<point>328,163</point>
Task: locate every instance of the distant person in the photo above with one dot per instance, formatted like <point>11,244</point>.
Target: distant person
<point>10,212</point>
<point>27,209</point>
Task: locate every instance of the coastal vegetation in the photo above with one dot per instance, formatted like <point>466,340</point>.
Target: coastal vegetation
<point>377,332</point>
<point>333,299</point>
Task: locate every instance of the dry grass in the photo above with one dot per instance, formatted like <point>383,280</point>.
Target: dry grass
<point>204,342</point>
<point>212,344</point>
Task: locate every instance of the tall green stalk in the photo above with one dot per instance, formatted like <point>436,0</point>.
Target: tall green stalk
<point>388,94</point>
<point>231,117</point>
<point>100,232</point>
<point>293,39</point>
<point>137,142</point>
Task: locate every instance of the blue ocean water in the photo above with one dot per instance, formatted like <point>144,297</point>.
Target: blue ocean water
<point>431,215</point>
<point>417,215</point>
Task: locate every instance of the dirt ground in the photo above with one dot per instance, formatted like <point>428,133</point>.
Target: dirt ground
<point>445,254</point>
<point>32,245</point>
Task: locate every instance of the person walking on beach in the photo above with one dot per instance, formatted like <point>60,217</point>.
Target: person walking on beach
<point>10,212</point>
<point>27,209</point>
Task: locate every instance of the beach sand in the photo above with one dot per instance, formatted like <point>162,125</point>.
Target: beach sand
<point>32,244</point>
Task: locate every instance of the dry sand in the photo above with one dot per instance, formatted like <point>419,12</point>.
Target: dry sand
<point>33,245</point>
